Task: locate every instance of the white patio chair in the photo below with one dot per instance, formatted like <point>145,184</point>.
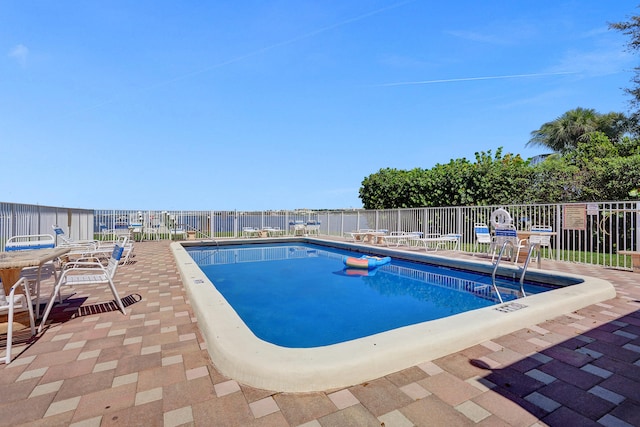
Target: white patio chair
<point>297,228</point>
<point>312,227</point>
<point>250,232</point>
<point>543,240</point>
<point>80,273</point>
<point>16,303</point>
<point>505,234</point>
<point>483,236</point>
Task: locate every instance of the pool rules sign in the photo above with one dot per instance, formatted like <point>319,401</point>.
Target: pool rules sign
<point>574,217</point>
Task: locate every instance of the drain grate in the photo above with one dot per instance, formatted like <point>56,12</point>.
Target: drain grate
<point>511,307</point>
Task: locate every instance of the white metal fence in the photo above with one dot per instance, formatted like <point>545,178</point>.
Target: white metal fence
<point>590,233</point>
<point>19,219</point>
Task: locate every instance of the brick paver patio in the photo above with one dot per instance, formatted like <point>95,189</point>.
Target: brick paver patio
<point>95,367</point>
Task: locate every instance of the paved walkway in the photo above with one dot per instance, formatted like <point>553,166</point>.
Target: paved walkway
<point>95,367</point>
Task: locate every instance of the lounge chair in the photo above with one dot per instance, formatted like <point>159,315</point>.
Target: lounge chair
<point>250,232</point>
<point>397,238</point>
<point>359,235</point>
<point>31,241</point>
<point>69,242</point>
<point>91,272</point>
<point>16,303</point>
<point>438,241</point>
<point>274,231</point>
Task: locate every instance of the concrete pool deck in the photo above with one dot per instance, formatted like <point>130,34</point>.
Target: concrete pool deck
<point>94,366</point>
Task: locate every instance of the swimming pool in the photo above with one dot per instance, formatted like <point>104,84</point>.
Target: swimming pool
<point>239,354</point>
<point>300,295</point>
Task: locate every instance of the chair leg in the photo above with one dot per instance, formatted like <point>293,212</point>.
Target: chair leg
<point>117,297</point>
<point>29,302</point>
<point>47,310</point>
<point>7,358</point>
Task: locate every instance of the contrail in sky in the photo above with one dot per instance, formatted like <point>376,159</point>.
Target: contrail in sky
<point>252,53</point>
<point>469,79</point>
<point>287,42</point>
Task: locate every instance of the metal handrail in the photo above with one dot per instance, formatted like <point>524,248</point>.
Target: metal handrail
<point>526,264</point>
<point>524,267</point>
<point>495,268</point>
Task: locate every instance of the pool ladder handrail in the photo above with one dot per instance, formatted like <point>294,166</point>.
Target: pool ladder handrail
<point>524,267</point>
<point>532,247</point>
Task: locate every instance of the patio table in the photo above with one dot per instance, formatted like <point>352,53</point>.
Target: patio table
<point>525,234</point>
<point>374,236</point>
<point>12,263</point>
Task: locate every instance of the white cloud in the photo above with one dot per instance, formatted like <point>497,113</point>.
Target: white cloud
<point>20,54</point>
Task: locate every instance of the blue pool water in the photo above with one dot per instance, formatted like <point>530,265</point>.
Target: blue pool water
<point>300,295</point>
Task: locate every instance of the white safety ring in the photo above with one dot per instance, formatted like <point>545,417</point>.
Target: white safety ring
<point>500,217</point>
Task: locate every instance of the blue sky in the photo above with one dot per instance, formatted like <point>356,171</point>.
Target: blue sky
<point>258,105</point>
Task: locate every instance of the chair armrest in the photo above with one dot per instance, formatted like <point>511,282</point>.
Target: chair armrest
<point>76,271</point>
<point>25,284</point>
<point>74,265</point>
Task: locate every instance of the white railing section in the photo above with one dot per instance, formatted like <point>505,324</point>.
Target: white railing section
<point>590,233</point>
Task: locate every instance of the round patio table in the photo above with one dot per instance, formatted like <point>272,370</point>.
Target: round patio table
<point>12,263</point>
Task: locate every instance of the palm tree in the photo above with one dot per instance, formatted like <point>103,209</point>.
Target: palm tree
<point>563,134</point>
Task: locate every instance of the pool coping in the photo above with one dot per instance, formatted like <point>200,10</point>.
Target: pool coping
<point>240,355</point>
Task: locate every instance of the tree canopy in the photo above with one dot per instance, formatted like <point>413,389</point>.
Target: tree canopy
<point>631,28</point>
<point>565,132</point>
<point>591,167</point>
<point>594,157</point>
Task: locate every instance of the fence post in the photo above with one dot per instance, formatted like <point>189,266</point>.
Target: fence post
<point>560,241</point>
<point>637,215</point>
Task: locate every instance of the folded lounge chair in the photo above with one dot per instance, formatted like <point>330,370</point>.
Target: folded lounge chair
<point>69,242</point>
<point>398,238</point>
<point>438,241</point>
